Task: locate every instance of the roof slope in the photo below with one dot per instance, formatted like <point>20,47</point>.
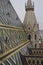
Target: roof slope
<point>8,14</point>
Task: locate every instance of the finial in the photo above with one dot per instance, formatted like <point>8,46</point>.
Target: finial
<point>29,5</point>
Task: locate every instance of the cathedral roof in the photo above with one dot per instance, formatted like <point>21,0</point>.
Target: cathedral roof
<point>8,14</point>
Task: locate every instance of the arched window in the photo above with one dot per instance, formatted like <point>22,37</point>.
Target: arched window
<point>37,61</point>
<point>29,37</point>
<point>35,37</point>
<point>34,52</point>
<point>33,62</point>
<point>29,61</point>
<point>35,45</point>
<point>42,62</point>
<point>39,52</point>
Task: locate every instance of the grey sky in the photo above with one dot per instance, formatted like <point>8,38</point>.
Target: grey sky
<point>19,6</point>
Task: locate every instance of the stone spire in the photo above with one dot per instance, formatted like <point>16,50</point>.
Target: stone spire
<point>29,5</point>
<point>30,18</point>
<point>30,23</point>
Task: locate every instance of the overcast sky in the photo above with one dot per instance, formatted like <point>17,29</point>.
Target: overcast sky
<point>19,6</point>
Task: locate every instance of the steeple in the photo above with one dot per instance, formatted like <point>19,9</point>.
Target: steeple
<point>30,23</point>
<point>29,5</point>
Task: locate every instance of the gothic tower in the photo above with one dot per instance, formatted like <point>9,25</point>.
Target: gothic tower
<point>30,24</point>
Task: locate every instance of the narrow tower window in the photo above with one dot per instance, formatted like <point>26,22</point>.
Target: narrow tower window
<point>35,37</point>
<point>35,45</point>
<point>33,62</point>
<point>29,37</point>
